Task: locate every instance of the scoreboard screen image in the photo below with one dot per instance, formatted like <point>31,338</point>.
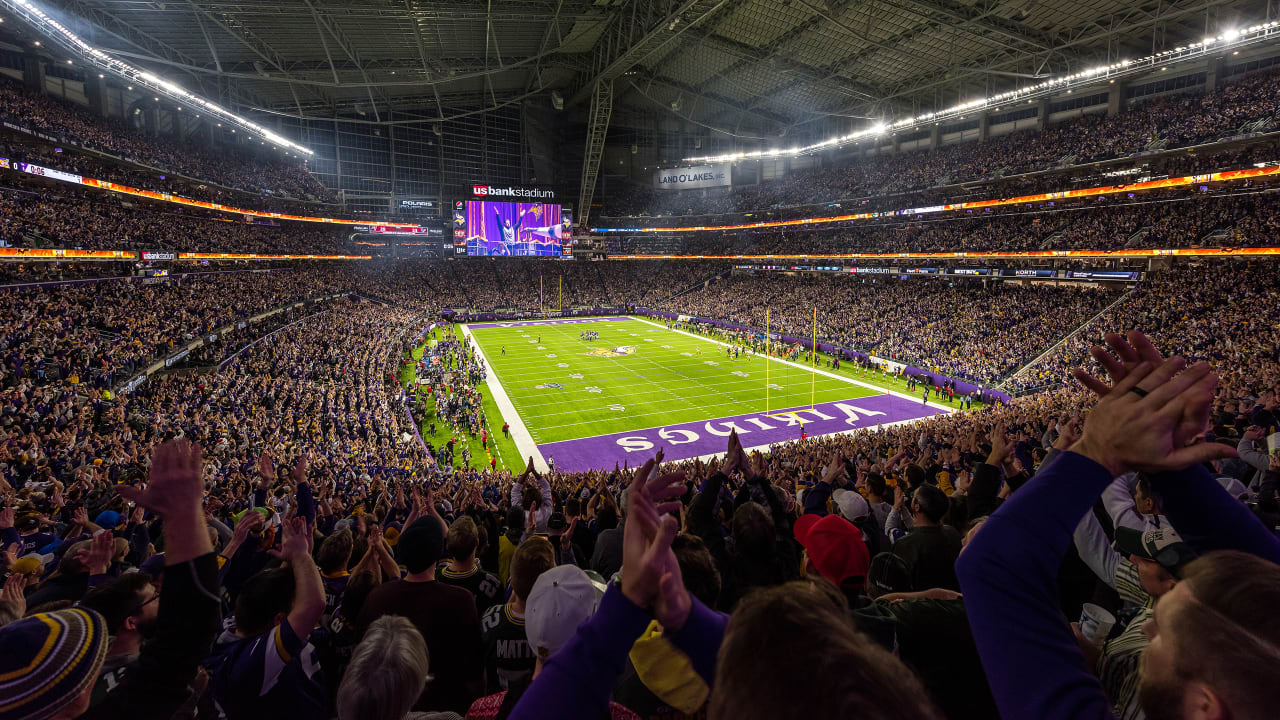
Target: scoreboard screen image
<point>514,229</point>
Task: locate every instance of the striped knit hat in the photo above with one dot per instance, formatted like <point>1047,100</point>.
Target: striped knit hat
<point>48,661</point>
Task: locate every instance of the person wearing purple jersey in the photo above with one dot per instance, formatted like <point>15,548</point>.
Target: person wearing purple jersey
<point>263,664</point>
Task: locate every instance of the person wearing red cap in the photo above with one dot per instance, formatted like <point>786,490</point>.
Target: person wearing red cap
<point>834,549</point>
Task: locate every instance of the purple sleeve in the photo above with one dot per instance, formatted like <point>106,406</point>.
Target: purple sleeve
<point>9,536</point>
<point>306,503</point>
<point>1009,576</point>
<point>1208,518</point>
<point>577,681</point>
<point>259,497</point>
<point>700,638</point>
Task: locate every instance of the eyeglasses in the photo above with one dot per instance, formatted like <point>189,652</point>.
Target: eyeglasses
<point>145,603</point>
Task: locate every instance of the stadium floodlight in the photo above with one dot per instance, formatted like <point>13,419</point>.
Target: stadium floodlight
<point>55,30</point>
<point>1159,61</point>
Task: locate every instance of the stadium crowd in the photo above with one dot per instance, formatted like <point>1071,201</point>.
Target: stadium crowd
<point>1234,217</point>
<point>66,217</point>
<point>288,548</point>
<point>255,174</point>
<point>1214,311</point>
<point>1176,120</point>
<point>263,533</point>
<point>97,334</point>
<point>958,328</point>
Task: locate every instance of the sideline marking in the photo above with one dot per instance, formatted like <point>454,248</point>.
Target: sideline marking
<point>519,433</point>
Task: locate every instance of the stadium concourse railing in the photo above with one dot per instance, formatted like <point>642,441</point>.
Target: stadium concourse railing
<point>963,387</point>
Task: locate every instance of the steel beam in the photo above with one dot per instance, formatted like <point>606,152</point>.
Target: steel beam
<point>597,130</point>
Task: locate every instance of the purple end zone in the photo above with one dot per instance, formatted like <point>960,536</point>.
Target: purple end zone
<point>560,321</point>
<point>693,439</point>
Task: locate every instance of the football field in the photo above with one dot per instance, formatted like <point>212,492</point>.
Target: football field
<point>640,386</point>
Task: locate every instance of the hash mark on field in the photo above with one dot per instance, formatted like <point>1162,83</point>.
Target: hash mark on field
<point>575,376</point>
<point>562,365</point>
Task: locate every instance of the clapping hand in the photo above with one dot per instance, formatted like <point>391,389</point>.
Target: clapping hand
<point>650,574</point>
<point>174,487</point>
<point>12,596</point>
<point>832,473</point>
<point>97,558</point>
<point>735,459</point>
<point>297,541</point>
<point>1130,354</point>
<point>1143,429</point>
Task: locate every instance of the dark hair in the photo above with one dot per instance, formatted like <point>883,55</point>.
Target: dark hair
<point>933,502</point>
<point>607,518</point>
<point>262,597</point>
<point>791,651</point>
<point>876,485</point>
<point>1143,485</point>
<point>533,557</point>
<point>753,531</point>
<point>532,496</point>
<point>118,599</point>
<point>1226,635</point>
<point>915,475</point>
<point>358,588</point>
<point>701,578</point>
<point>335,551</point>
<point>515,519</point>
<point>462,540</point>
<point>572,507</point>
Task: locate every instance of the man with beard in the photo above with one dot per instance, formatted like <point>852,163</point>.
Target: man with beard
<point>129,606</point>
<point>1215,647</point>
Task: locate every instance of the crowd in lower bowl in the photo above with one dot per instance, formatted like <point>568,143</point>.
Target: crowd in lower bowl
<point>269,537</point>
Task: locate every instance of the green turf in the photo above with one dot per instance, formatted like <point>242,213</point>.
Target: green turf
<point>663,383</point>
<point>507,455</point>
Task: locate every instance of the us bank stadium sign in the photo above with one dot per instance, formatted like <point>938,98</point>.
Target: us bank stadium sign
<point>523,192</point>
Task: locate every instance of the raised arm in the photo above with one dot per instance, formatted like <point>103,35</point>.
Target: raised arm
<point>308,595</point>
<point>1009,570</point>
<point>188,616</point>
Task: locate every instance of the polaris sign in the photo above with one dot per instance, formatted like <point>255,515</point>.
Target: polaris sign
<point>693,178</point>
<point>490,192</point>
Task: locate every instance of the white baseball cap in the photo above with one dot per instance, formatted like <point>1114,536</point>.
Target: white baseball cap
<point>852,505</point>
<point>562,598</point>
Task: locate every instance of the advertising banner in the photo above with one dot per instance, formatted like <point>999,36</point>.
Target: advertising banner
<point>692,178</point>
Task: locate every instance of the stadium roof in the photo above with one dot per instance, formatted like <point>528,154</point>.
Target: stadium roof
<point>767,64</point>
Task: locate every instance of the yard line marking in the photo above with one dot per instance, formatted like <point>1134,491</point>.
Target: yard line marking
<point>849,380</point>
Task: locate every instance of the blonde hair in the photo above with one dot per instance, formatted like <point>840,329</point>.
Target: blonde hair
<point>387,673</point>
